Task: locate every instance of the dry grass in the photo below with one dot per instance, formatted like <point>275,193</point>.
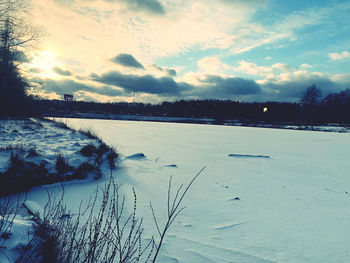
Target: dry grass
<point>102,231</point>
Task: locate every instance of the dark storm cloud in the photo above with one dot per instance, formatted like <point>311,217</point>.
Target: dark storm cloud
<point>169,71</point>
<point>220,87</point>
<point>127,60</point>
<point>146,84</point>
<point>71,87</point>
<point>293,90</point>
<point>35,70</point>
<point>62,72</point>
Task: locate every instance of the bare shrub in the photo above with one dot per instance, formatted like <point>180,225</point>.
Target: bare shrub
<point>88,150</point>
<point>33,152</point>
<point>101,232</point>
<point>9,209</point>
<point>112,156</point>
<point>174,209</point>
<point>90,134</point>
<point>102,149</point>
<point>84,169</point>
<point>62,165</point>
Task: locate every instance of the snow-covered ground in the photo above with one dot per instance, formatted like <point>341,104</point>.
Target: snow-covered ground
<point>47,138</point>
<point>291,207</point>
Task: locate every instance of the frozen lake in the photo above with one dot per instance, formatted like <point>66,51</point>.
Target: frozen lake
<point>291,207</point>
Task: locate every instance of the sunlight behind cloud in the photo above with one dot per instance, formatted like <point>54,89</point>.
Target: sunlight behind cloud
<point>45,61</point>
<point>190,44</point>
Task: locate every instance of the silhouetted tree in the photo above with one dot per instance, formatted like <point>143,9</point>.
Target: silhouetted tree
<point>311,98</point>
<point>14,35</point>
<point>336,107</point>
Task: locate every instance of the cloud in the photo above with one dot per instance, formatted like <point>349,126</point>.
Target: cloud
<point>205,86</point>
<point>222,86</point>
<point>305,66</point>
<point>35,70</point>
<point>339,56</point>
<point>62,72</point>
<point>146,84</point>
<point>253,69</point>
<point>148,6</point>
<point>170,72</point>
<point>65,86</point>
<point>127,60</point>
<point>212,65</point>
<point>209,86</point>
<point>290,86</point>
<point>282,67</point>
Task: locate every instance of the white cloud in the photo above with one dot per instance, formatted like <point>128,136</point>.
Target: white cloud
<point>342,78</point>
<point>339,56</point>
<point>305,66</point>
<point>212,65</point>
<point>282,67</point>
<point>254,69</point>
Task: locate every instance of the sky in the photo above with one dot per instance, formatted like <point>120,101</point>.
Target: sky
<point>166,50</point>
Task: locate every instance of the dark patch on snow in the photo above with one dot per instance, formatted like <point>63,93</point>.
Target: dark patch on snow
<point>248,156</point>
<point>5,235</point>
<point>224,227</point>
<point>235,199</point>
<point>136,156</point>
<point>171,165</point>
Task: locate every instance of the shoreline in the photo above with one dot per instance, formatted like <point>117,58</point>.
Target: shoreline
<point>332,127</point>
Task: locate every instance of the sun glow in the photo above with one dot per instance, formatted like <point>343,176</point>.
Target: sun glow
<point>43,63</point>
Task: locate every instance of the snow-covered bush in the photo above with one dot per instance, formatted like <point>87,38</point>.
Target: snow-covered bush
<point>62,166</point>
<point>88,150</point>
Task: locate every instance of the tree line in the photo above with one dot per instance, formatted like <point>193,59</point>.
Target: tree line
<point>311,110</point>
<point>16,36</point>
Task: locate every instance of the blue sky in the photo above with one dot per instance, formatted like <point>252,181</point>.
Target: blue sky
<point>256,50</point>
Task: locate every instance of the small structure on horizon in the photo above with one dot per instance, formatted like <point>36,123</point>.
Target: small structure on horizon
<point>68,97</point>
<point>265,109</point>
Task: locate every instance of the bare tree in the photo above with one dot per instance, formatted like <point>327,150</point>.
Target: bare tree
<point>15,35</point>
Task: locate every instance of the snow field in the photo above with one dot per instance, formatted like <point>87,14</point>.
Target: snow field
<point>292,207</point>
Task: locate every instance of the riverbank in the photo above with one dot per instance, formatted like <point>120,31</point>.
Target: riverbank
<point>331,127</point>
